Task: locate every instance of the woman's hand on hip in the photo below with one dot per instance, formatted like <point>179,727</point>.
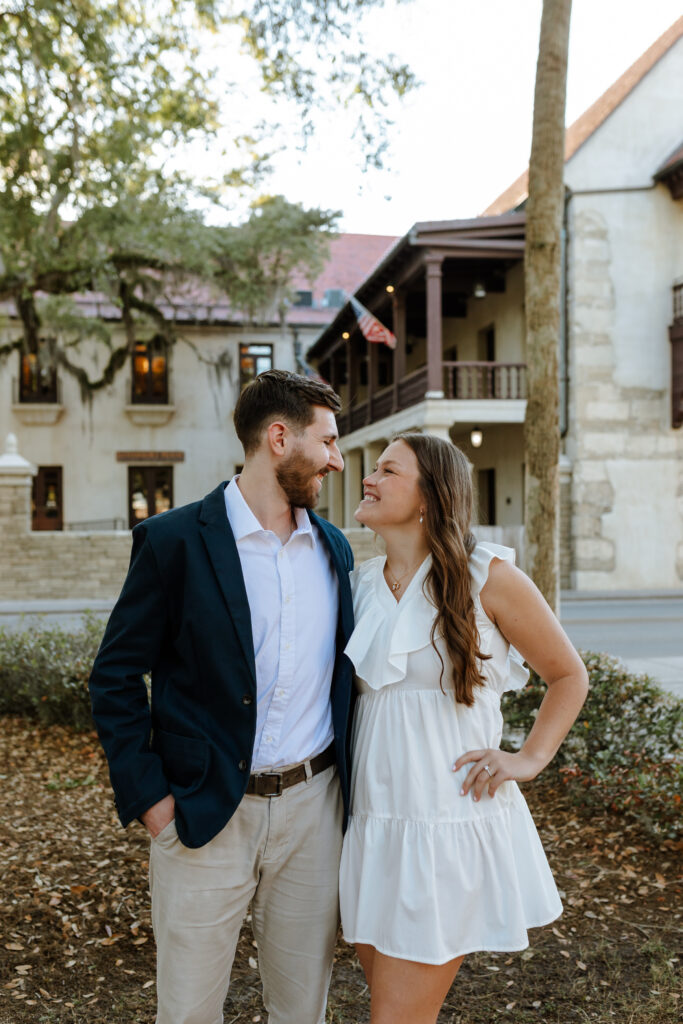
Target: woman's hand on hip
<point>490,768</point>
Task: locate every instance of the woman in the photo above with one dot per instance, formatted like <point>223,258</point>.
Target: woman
<point>441,857</point>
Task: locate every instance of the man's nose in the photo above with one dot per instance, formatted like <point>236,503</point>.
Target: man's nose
<point>336,460</point>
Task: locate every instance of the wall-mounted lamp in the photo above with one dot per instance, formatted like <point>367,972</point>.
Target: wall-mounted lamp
<point>476,437</point>
<point>390,288</point>
<point>346,335</point>
<point>479,290</point>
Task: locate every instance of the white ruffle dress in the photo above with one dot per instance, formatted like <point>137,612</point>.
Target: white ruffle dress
<point>427,874</point>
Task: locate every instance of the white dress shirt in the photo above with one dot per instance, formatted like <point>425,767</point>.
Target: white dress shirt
<point>293,595</point>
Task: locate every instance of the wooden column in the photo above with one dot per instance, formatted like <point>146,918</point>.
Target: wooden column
<point>353,368</point>
<point>352,481</point>
<point>399,304</point>
<point>372,376</point>
<point>434,327</point>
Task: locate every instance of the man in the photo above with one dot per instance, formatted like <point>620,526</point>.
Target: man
<point>240,607</point>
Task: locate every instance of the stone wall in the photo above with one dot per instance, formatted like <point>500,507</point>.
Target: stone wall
<point>60,566</point>
<point>627,464</point>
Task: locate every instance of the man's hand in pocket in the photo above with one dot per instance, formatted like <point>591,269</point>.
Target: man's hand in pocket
<point>156,818</point>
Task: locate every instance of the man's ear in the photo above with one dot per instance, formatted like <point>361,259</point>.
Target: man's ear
<point>277,435</point>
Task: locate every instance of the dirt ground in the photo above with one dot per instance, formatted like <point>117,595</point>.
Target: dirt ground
<point>76,937</point>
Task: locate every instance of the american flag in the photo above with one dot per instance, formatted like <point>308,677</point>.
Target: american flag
<point>370,326</point>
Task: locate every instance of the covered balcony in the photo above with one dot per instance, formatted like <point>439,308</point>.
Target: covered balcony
<point>451,292</point>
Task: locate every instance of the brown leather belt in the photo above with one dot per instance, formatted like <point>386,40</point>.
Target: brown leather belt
<point>272,783</point>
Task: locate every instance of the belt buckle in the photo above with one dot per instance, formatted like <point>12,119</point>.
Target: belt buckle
<point>272,775</point>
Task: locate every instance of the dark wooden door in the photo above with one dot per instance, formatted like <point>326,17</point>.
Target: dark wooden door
<point>150,491</point>
<point>47,499</point>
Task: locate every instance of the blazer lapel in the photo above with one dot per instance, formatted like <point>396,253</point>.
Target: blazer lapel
<point>214,527</point>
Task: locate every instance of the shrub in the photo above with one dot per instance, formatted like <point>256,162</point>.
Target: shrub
<point>44,672</point>
<point>623,752</point>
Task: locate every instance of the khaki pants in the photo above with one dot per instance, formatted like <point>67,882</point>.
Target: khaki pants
<point>282,854</point>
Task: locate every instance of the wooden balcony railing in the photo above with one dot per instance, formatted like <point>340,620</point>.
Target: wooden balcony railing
<point>470,380</point>
<point>461,380</point>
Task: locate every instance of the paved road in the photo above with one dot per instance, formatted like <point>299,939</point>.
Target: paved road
<point>644,632</point>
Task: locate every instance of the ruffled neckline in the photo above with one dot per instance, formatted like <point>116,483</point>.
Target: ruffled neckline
<point>380,643</point>
<point>384,637</point>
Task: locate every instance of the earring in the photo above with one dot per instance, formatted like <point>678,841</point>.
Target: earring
<point>421,517</point>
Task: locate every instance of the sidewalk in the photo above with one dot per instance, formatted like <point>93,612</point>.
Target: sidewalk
<point>644,629</point>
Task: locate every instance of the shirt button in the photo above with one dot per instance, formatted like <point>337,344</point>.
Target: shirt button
<point>280,692</point>
<point>269,739</point>
<point>247,699</point>
<point>242,765</point>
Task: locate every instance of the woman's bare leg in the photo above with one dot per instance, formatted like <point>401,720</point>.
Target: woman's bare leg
<point>404,991</point>
<point>366,955</point>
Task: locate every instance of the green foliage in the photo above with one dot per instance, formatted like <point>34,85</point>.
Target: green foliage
<point>623,752</point>
<point>257,259</point>
<point>96,96</point>
<point>44,672</point>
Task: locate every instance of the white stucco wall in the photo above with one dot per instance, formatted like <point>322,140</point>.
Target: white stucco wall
<point>502,449</point>
<point>639,135</point>
<point>86,438</point>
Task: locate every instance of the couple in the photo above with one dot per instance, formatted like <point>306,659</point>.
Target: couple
<point>252,756</point>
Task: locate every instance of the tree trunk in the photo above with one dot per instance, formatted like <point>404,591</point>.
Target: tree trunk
<point>542,284</point>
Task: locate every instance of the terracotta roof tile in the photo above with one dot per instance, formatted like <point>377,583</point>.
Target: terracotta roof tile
<point>352,258</point>
<point>584,126</point>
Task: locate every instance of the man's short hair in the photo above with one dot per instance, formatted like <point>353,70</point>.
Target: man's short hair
<point>279,394</point>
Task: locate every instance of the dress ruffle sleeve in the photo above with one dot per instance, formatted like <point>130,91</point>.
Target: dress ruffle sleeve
<point>516,674</point>
<point>384,636</point>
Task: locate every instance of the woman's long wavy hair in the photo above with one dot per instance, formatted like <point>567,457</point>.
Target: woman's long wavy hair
<point>447,490</point>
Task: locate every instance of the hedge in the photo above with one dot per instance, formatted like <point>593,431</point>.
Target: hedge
<point>623,752</point>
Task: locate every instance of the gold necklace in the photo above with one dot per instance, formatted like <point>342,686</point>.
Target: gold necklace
<point>396,585</point>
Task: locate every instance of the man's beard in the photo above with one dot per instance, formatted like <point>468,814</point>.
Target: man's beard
<point>295,477</point>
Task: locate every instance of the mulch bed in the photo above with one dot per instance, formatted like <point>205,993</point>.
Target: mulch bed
<point>76,936</point>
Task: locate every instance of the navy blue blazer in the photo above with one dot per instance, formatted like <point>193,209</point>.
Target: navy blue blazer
<point>183,615</point>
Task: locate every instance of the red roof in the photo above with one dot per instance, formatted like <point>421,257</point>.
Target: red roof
<point>352,258</point>
<point>582,129</point>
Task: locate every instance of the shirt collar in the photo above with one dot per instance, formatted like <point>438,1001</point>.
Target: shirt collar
<point>244,522</point>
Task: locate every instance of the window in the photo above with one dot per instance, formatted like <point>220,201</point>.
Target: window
<point>36,383</point>
<point>150,491</point>
<point>47,499</point>
<point>334,298</point>
<point>303,298</point>
<point>254,359</point>
<point>150,372</point>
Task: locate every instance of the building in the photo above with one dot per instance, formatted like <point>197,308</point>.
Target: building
<point>161,433</point>
<point>452,292</point>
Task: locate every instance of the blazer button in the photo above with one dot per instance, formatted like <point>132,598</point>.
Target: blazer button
<point>247,699</point>
<point>242,765</point>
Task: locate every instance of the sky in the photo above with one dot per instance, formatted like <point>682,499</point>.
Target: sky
<point>462,137</point>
